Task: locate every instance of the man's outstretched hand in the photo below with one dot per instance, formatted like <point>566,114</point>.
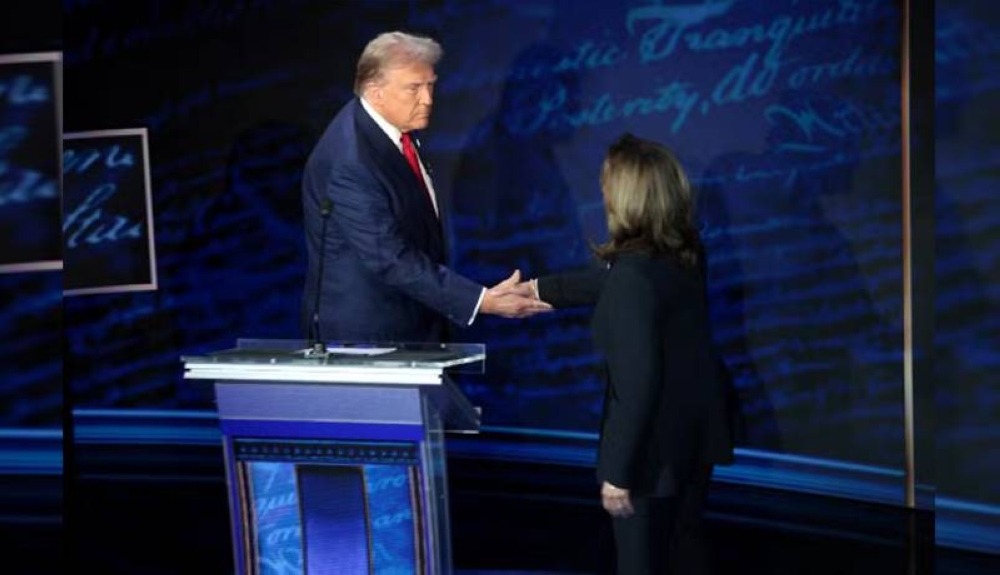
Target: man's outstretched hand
<point>513,298</point>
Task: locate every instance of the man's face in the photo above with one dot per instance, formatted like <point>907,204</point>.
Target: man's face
<point>405,96</point>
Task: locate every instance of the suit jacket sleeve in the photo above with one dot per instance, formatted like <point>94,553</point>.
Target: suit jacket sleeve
<point>633,353</point>
<point>361,210</point>
<point>577,288</point>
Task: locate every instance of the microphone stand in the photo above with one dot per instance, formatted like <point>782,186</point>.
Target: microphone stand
<point>318,347</point>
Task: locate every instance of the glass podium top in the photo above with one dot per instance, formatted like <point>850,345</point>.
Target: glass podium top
<point>463,357</point>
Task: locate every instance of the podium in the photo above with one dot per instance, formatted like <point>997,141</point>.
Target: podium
<point>335,461</point>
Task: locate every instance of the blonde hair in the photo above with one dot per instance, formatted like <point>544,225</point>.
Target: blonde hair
<point>390,49</point>
<point>648,202</point>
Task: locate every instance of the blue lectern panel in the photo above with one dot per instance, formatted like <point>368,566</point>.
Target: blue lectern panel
<point>334,520</point>
<point>395,518</point>
<point>276,517</point>
<point>339,507</point>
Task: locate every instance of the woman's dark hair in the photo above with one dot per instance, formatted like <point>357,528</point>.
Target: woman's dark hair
<point>648,202</point>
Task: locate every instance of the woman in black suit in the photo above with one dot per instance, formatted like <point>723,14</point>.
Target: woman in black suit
<point>666,414</point>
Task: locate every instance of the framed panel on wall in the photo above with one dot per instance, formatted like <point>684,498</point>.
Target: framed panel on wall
<point>108,212</point>
<point>30,123</point>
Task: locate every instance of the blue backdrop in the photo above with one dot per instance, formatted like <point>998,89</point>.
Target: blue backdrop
<point>786,115</point>
<point>967,271</point>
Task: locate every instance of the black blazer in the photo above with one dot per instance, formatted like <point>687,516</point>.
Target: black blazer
<point>666,405</point>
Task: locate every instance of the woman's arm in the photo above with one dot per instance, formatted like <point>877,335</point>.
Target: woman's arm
<point>571,289</point>
<point>633,350</point>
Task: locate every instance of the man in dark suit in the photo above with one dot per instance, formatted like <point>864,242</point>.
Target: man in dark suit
<point>376,253</point>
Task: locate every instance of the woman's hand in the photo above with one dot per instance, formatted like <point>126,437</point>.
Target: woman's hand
<point>616,500</point>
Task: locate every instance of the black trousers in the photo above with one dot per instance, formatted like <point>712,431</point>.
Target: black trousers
<point>666,534</point>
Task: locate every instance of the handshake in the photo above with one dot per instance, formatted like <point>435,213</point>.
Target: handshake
<point>514,298</point>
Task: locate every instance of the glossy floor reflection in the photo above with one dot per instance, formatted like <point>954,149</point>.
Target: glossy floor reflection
<point>520,519</point>
<point>547,519</point>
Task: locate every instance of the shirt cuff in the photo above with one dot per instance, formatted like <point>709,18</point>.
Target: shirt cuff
<point>475,312</point>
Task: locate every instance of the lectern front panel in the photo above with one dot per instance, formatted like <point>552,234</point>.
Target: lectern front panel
<point>319,507</point>
<point>335,462</point>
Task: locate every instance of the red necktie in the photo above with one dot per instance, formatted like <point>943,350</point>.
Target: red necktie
<point>411,158</point>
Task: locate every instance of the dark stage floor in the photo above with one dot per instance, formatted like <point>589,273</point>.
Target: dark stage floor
<point>506,518</point>
<point>133,517</point>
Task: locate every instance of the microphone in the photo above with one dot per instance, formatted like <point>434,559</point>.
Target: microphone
<point>317,347</point>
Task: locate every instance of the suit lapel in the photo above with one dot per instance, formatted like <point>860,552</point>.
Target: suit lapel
<point>385,152</point>
<point>392,161</point>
